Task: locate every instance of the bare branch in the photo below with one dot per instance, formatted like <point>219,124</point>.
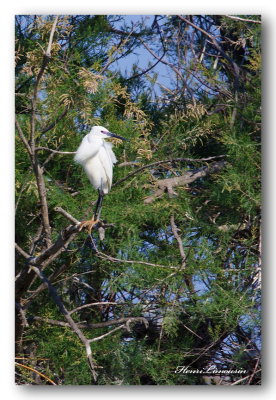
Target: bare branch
<point>55,151</point>
<point>98,325</point>
<point>243,19</point>
<point>170,160</point>
<point>107,334</point>
<point>217,46</point>
<point>48,51</point>
<point>179,241</point>
<point>38,170</point>
<point>25,278</point>
<point>101,303</point>
<point>21,251</point>
<point>67,215</point>
<point>23,138</point>
<point>46,59</point>
<point>113,259</point>
<point>167,185</point>
<point>164,61</point>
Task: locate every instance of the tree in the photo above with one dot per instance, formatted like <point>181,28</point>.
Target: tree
<point>171,276</point>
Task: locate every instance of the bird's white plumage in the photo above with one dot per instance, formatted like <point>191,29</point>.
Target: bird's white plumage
<point>97,158</point>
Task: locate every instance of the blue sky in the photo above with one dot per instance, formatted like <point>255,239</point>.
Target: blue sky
<point>142,57</point>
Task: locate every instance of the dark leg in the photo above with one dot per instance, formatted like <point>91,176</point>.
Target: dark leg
<point>98,207</point>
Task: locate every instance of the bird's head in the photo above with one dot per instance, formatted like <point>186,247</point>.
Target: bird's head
<point>104,133</point>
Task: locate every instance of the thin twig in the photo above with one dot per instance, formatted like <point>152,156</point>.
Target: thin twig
<point>107,334</point>
<point>37,372</point>
<point>102,303</point>
<point>119,260</point>
<point>179,241</point>
<point>55,151</point>
<point>178,73</point>
<point>22,137</point>
<point>215,43</point>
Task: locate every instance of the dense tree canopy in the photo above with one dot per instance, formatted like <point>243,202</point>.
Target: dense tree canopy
<point>171,275</point>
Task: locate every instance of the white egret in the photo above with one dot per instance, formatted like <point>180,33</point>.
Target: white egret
<point>97,158</point>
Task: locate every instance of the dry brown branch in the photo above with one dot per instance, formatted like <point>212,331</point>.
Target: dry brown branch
<point>25,277</point>
<point>167,185</point>
<point>243,19</point>
<point>254,371</point>
<point>168,161</point>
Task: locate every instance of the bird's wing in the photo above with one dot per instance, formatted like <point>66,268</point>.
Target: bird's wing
<point>108,146</point>
<point>87,149</point>
<point>107,158</point>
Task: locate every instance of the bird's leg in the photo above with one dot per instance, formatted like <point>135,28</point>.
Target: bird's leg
<point>98,207</point>
<point>96,216</point>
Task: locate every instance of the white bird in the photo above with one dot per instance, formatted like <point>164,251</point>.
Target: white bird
<point>97,158</point>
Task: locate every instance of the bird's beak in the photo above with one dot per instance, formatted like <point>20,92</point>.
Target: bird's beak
<point>114,135</point>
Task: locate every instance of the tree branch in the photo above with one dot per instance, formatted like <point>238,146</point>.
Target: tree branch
<point>167,185</point>
<point>46,59</point>
<point>119,260</point>
<point>217,46</point>
<point>243,19</point>
<point>156,163</point>
<point>107,334</point>
<point>54,123</point>
<point>87,325</point>
<point>23,138</point>
<point>179,240</point>
<point>25,277</point>
<point>178,73</point>
<point>38,170</point>
<point>55,151</point>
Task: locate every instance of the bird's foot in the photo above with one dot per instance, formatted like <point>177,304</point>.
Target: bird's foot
<point>88,225</point>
